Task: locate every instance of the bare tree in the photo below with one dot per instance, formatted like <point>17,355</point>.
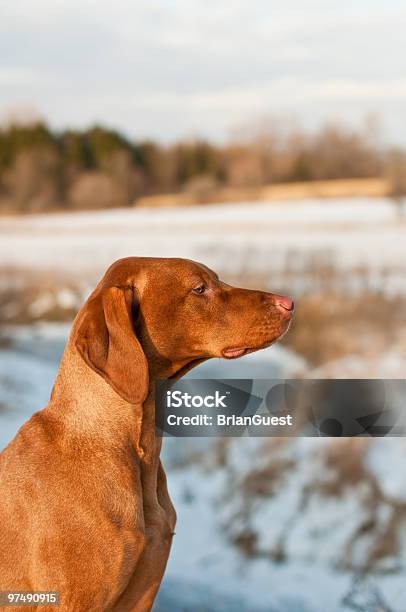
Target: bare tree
<point>34,180</point>
<point>396,174</point>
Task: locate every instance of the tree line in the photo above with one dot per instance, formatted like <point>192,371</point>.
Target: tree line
<point>41,169</point>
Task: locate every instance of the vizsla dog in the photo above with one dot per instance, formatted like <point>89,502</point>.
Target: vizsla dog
<point>84,506</point>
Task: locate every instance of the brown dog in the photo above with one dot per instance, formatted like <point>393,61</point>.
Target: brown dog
<point>84,507</point>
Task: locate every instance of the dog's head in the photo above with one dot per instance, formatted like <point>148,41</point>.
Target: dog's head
<point>164,316</point>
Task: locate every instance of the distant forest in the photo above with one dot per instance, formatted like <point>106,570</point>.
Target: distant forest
<point>43,170</point>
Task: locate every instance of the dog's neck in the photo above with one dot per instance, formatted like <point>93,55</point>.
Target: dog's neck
<point>162,369</point>
<point>87,408</point>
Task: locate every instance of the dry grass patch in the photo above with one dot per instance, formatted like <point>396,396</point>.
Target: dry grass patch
<point>328,326</point>
<point>205,192</point>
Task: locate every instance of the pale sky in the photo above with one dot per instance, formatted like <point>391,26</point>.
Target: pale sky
<point>177,68</point>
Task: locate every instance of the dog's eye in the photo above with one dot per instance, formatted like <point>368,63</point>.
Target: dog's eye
<point>200,289</point>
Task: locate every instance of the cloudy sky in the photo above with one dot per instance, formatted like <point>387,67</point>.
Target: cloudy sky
<point>175,68</point>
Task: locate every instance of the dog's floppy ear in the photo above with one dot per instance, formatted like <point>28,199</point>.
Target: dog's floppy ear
<point>106,340</point>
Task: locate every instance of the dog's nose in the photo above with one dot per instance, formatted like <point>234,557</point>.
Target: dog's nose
<point>284,302</point>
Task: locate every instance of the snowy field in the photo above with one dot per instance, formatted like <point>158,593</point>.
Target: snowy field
<point>272,238</point>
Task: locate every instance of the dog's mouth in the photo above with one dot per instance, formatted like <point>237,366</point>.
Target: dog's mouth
<point>236,352</point>
<point>239,351</point>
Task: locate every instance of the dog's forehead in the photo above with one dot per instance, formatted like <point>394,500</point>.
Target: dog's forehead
<point>182,270</point>
<point>140,271</point>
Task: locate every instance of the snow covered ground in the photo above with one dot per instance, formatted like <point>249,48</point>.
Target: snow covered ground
<point>206,570</point>
<point>206,573</point>
<point>248,237</point>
